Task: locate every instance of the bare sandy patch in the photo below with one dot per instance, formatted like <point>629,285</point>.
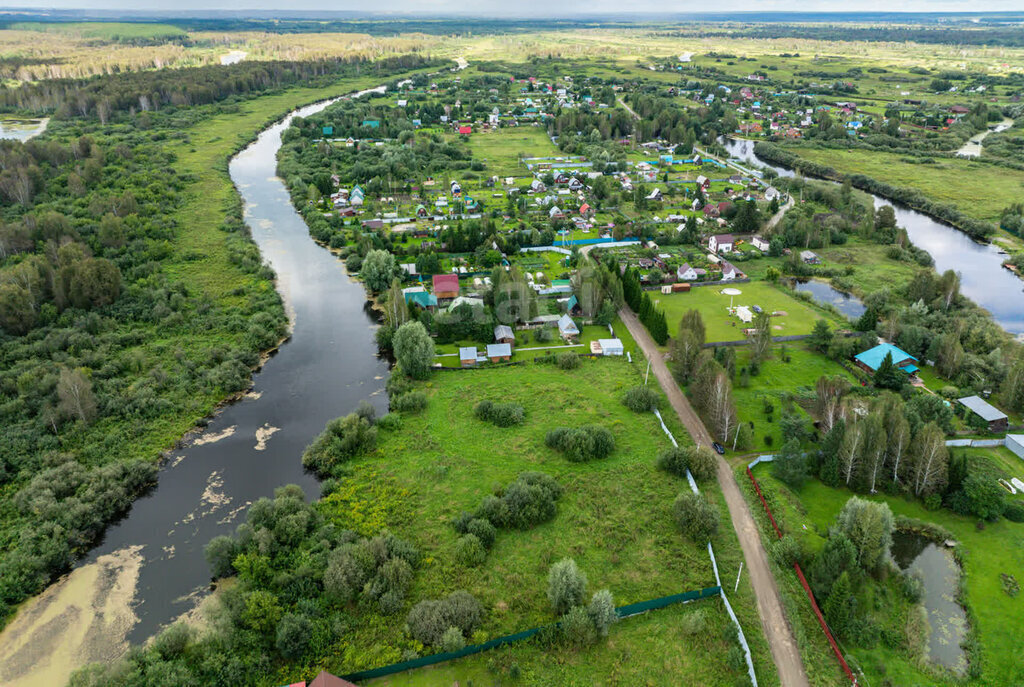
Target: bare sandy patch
<point>216,436</point>
<point>263,435</point>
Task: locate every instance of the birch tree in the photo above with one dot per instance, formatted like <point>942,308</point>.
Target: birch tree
<point>898,439</point>
<point>74,389</point>
<point>396,310</point>
<point>850,453</point>
<point>874,449</point>
<point>930,460</point>
<point>828,397</point>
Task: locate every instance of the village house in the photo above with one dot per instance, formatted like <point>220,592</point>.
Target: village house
<point>499,352</point>
<point>721,243</point>
<point>654,195</point>
<point>759,243</point>
<point>504,334</point>
<point>686,273</point>
<point>729,272</point>
<point>446,286</point>
<point>870,359</point>
<point>567,329</point>
<point>467,356</point>
<point>810,257</point>
<point>703,182</point>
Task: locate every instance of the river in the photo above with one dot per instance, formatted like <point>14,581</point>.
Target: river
<point>982,276</point>
<point>149,569</point>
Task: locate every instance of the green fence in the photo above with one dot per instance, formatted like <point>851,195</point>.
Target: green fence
<point>621,611</point>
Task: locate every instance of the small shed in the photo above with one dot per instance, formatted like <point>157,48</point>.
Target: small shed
<point>996,419</point>
<point>567,329</point>
<point>610,346</point>
<point>499,352</point>
<point>504,334</point>
<point>467,356</point>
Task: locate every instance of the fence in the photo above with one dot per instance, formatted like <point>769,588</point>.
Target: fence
<point>976,443</point>
<point>803,580</point>
<point>626,611</point>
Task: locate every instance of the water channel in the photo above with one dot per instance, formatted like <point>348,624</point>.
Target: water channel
<point>149,568</point>
<point>983,279</point>
<point>826,294</point>
<point>940,574</point>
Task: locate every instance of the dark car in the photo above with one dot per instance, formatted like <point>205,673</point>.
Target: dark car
<point>718,448</point>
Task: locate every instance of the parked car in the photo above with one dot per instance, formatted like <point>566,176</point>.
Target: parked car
<point>718,448</point>
<point>757,309</point>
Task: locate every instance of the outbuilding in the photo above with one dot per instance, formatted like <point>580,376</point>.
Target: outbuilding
<point>504,334</point>
<point>1015,442</point>
<point>610,346</point>
<point>499,352</point>
<point>996,419</point>
<point>567,329</point>
<point>467,356</point>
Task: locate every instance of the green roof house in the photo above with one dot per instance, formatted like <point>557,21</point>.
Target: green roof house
<point>328,130</point>
<point>372,123</point>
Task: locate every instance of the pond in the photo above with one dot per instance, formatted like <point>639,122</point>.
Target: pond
<point>941,574</point>
<point>826,294</point>
<point>983,278</point>
<point>22,129</point>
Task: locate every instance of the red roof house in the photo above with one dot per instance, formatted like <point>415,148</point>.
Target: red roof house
<point>446,286</point>
<point>465,129</point>
<point>325,679</point>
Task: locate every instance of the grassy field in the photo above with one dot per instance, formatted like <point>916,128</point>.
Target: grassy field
<point>979,190</point>
<point>721,326</point>
<point>500,150</point>
<point>614,519</point>
<point>779,379</point>
<point>996,548</point>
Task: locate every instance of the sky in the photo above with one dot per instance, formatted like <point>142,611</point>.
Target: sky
<point>542,8</point>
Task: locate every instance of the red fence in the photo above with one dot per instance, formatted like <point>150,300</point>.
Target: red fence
<point>807,588</point>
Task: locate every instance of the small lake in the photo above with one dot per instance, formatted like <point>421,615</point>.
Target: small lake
<point>940,574</point>
<point>983,278</point>
<point>22,129</point>
<point>972,147</point>
<point>826,294</point>
<point>233,57</point>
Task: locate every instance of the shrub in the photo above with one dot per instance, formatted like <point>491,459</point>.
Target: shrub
<point>343,438</point>
<point>912,586</point>
<point>696,517</point>
<point>429,620</point>
<point>469,551</point>
<point>530,500</point>
<point>220,554</point>
<point>694,623</point>
<point>293,635</point>
<point>173,641</point>
<point>581,444</point>
<point>602,611</point>
<point>567,361</point>
<point>452,640</point>
<point>500,414</point>
<point>409,402</point>
<point>785,551</point>
<point>577,627</point>
<point>567,586</point>
<point>641,399</point>
<point>700,462</point>
<point>483,530</point>
<point>392,422</point>
<point>1014,512</point>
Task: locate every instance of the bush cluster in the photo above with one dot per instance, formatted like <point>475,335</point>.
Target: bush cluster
<point>582,444</point>
<point>528,501</point>
<point>344,438</point>
<point>500,414</point>
<point>430,621</point>
<point>579,624</point>
<point>696,517</point>
<point>567,361</point>
<point>699,461</point>
<point>375,571</point>
<point>641,399</point>
<point>409,402</point>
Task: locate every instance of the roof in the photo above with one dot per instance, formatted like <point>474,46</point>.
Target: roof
<point>325,679</point>
<point>465,300</point>
<point>723,238</point>
<point>446,282</point>
<point>610,344</point>
<point>987,411</point>
<point>467,353</point>
<point>421,298</point>
<point>503,331</point>
<point>873,357</point>
<point>498,350</point>
<point>573,302</point>
<point>567,326</point>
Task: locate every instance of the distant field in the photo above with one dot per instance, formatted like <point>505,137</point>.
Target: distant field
<point>721,326</point>
<point>113,31</point>
<point>979,190</point>
<point>500,149</point>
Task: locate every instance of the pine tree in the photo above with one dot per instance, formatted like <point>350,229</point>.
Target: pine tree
<point>839,605</point>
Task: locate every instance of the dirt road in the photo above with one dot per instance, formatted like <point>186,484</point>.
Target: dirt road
<point>783,646</point>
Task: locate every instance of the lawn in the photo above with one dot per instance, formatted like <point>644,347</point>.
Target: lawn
<point>500,150</point>
<point>779,379</point>
<point>988,551</point>
<point>721,326</point>
<point>614,519</point>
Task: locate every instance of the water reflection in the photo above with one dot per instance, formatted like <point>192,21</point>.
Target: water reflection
<point>826,294</point>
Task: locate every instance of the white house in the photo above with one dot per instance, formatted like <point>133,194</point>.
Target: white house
<point>721,243</point>
<point>655,194</point>
<point>759,243</point>
<point>729,272</point>
<point>686,273</point>
<point>1015,442</point>
<point>771,193</point>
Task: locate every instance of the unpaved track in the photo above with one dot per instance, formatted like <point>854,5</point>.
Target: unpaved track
<point>783,646</point>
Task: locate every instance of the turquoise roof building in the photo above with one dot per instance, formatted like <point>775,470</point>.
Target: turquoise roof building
<point>421,298</point>
<point>873,357</point>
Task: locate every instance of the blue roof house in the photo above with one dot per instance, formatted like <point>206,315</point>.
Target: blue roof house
<point>870,359</point>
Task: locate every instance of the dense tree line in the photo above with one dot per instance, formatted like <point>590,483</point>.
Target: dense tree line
<point>123,94</point>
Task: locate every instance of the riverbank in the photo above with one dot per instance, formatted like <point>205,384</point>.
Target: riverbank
<point>201,491</point>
